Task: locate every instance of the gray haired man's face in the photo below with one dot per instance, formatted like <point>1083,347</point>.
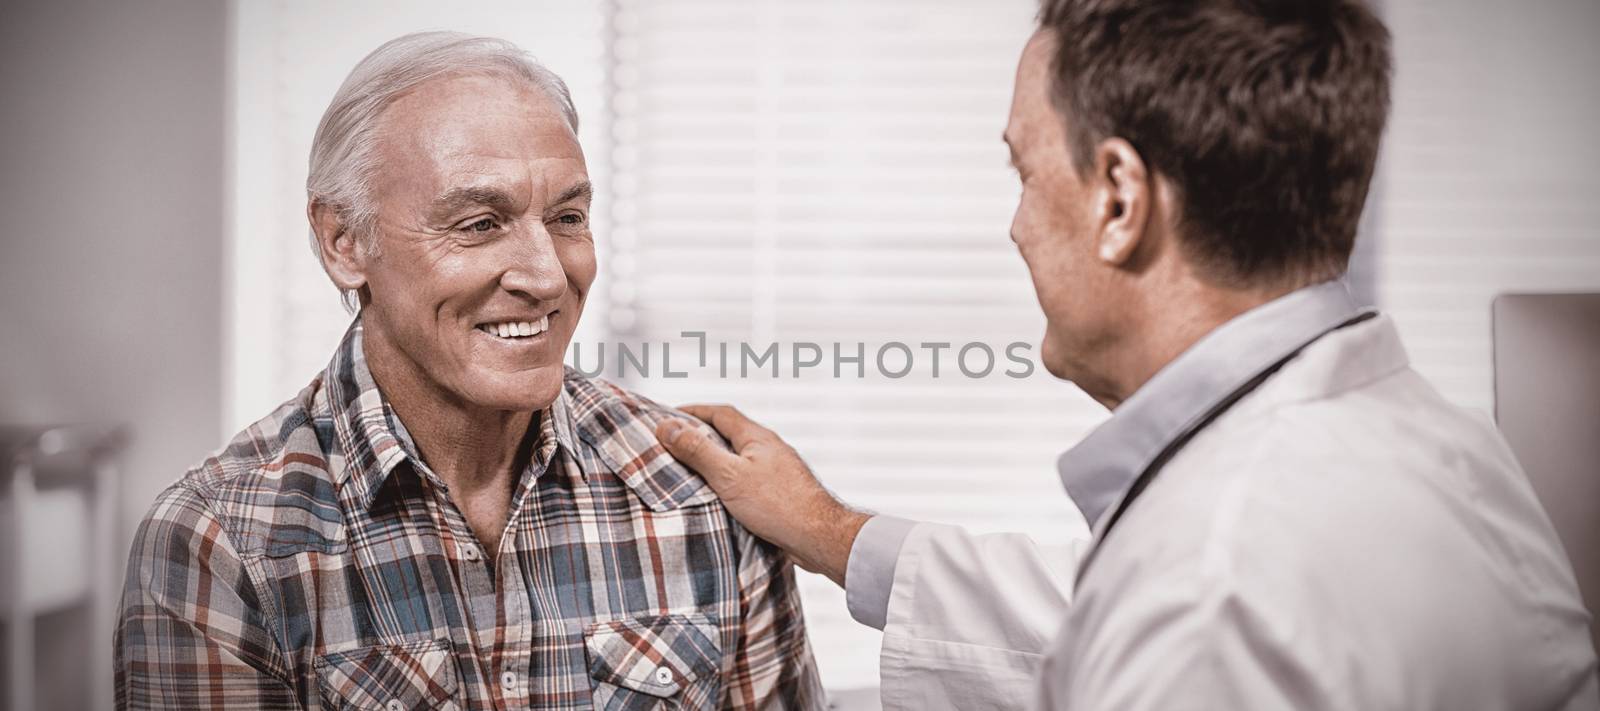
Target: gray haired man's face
<point>483,250</point>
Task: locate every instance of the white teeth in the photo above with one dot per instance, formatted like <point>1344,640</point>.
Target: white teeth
<point>517,329</point>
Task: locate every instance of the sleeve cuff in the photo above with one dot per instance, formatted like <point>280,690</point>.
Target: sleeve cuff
<point>869,574</point>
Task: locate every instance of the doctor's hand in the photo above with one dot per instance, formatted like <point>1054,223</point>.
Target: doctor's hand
<point>767,487</point>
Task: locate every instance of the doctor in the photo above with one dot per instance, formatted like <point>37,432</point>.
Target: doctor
<point>1285,514</point>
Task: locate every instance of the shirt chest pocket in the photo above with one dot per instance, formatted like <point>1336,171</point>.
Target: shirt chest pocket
<point>419,675</point>
<point>655,662</point>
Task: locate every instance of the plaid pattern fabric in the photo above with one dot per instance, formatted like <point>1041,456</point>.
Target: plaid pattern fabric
<point>316,562</point>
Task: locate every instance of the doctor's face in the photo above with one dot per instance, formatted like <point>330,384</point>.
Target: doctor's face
<point>483,255</point>
<point>1053,227</point>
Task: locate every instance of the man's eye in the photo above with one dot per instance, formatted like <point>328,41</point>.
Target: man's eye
<point>571,218</point>
<point>482,225</point>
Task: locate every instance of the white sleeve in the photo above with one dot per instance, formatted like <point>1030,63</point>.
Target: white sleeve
<point>968,617</point>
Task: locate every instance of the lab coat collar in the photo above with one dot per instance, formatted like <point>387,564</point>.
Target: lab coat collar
<point>1100,469</point>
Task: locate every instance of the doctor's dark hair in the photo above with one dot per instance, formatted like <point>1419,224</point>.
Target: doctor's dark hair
<point>1265,115</point>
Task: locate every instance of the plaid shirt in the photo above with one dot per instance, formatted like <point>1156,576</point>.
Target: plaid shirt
<point>316,562</point>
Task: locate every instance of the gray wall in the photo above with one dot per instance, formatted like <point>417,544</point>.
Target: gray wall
<point>112,120</point>
<point>111,262</point>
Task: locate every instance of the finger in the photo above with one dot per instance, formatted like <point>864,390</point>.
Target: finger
<point>739,430</point>
<point>689,445</point>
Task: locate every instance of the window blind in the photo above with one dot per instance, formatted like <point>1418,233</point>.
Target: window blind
<point>832,172</point>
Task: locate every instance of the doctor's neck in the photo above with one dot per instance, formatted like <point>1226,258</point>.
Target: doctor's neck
<point>1158,321</point>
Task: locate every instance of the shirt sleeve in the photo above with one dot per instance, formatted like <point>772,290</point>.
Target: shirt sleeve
<point>773,667</point>
<point>869,574</point>
<point>970,618</point>
<point>191,633</point>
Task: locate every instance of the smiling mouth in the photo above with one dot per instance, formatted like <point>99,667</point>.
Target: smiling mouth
<point>514,330</point>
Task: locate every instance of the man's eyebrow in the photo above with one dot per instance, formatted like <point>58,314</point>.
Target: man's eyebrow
<point>459,198</point>
<point>583,190</point>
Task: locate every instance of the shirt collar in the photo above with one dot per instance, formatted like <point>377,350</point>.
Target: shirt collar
<point>1100,469</point>
<point>373,439</point>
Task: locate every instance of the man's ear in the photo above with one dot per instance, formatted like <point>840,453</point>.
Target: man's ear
<point>1125,194</point>
<point>342,256</point>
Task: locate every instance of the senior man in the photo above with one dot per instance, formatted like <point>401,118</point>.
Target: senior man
<point>445,517</point>
<point>1285,514</point>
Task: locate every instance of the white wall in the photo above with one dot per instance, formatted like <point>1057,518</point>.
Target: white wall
<point>1490,178</point>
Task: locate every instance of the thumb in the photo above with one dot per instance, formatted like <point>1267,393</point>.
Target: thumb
<point>690,445</point>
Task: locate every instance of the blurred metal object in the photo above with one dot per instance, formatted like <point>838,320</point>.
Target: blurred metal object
<point>34,461</point>
<point>1547,403</point>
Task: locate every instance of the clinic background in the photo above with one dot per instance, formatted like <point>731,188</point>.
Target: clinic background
<point>767,171</point>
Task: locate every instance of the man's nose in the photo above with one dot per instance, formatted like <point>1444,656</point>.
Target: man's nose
<point>533,266</point>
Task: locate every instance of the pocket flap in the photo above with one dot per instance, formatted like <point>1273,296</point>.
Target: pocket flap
<point>656,655</point>
<point>417,675</point>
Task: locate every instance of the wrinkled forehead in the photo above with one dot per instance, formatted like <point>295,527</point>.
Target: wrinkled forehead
<point>472,128</point>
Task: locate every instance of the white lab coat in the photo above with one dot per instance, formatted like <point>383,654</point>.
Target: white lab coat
<point>1342,538</point>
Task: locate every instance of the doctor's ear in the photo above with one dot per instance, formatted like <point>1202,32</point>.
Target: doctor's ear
<point>1124,194</point>
<point>343,257</point>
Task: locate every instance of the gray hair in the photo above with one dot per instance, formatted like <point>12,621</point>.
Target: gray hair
<point>342,152</point>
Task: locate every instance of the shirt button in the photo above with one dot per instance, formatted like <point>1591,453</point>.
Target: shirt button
<point>663,675</point>
<point>394,705</point>
<point>508,680</point>
<point>469,551</point>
